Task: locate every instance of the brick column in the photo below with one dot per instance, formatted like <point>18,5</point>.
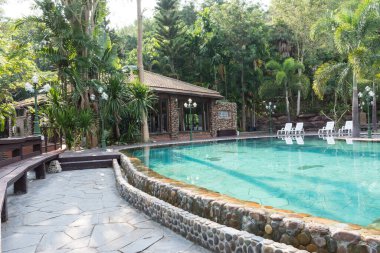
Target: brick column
<point>218,123</point>
<point>173,117</point>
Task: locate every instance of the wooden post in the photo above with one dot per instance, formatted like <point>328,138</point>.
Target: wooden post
<point>41,150</point>
<point>4,211</point>
<point>46,143</point>
<point>21,152</point>
<point>40,171</point>
<point>21,185</point>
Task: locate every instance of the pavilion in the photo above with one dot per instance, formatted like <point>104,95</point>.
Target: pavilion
<point>172,120</point>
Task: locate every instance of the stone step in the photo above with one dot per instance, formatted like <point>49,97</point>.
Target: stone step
<point>81,165</point>
<point>89,157</point>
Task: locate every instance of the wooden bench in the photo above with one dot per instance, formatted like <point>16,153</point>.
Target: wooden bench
<point>16,174</point>
<point>226,132</point>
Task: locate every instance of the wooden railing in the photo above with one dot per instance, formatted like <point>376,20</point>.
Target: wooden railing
<point>16,149</point>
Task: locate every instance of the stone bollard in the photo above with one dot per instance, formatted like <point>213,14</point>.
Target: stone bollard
<point>54,167</point>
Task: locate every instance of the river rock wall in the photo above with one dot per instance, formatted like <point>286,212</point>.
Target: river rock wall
<point>299,230</point>
<point>211,235</point>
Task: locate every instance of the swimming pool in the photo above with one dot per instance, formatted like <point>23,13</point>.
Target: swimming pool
<point>339,182</point>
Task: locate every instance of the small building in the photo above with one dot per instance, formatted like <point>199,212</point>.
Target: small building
<point>24,119</point>
<point>171,120</point>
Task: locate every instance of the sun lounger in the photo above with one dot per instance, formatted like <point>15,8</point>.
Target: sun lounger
<point>328,129</point>
<point>298,129</point>
<point>285,130</point>
<point>346,129</point>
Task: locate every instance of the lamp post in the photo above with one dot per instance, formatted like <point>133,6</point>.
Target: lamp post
<point>270,108</point>
<point>190,105</point>
<point>367,96</point>
<point>33,89</point>
<point>103,96</point>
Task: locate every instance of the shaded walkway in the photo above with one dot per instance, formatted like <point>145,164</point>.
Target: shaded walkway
<point>81,211</point>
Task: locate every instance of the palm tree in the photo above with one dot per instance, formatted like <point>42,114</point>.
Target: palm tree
<point>353,34</point>
<point>335,78</point>
<point>286,74</point>
<point>84,121</point>
<point>116,105</point>
<point>141,99</point>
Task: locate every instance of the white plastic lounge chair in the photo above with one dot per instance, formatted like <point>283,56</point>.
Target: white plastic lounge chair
<point>285,130</point>
<point>299,140</point>
<point>288,140</point>
<point>298,129</point>
<point>328,129</point>
<point>346,129</point>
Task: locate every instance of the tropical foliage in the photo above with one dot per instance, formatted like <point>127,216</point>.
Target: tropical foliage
<point>306,56</point>
<point>141,99</point>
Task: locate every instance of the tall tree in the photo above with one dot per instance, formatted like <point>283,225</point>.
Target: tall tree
<point>243,41</point>
<point>286,74</point>
<point>140,64</point>
<point>299,16</point>
<point>78,46</point>
<point>169,34</point>
<point>354,33</point>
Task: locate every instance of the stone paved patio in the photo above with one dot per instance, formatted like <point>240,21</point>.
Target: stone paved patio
<point>81,211</point>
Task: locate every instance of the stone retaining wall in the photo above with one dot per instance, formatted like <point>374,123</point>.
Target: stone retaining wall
<point>211,235</point>
<point>303,232</point>
<point>180,136</point>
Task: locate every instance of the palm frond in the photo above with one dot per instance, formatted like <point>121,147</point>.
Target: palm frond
<point>342,37</point>
<point>280,77</point>
<point>324,74</point>
<point>273,65</point>
<point>289,65</point>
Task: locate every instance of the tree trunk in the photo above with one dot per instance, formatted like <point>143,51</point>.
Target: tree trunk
<point>172,68</point>
<point>215,82</point>
<point>287,103</point>
<point>254,116</point>
<point>335,104</point>
<point>117,128</point>
<point>145,129</point>
<point>243,112</point>
<point>374,109</point>
<point>300,59</point>
<point>355,108</point>
<point>298,102</point>
<point>225,81</point>
<point>140,64</point>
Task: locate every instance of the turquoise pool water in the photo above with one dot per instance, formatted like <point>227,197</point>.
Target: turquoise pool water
<point>339,181</point>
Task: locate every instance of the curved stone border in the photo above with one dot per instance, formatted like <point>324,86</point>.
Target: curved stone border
<point>306,233</point>
<point>211,235</point>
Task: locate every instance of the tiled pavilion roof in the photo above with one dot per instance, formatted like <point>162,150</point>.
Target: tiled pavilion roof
<point>42,99</point>
<point>157,82</point>
<point>164,84</point>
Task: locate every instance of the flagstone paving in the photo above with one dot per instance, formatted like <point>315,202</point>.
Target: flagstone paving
<point>81,211</point>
